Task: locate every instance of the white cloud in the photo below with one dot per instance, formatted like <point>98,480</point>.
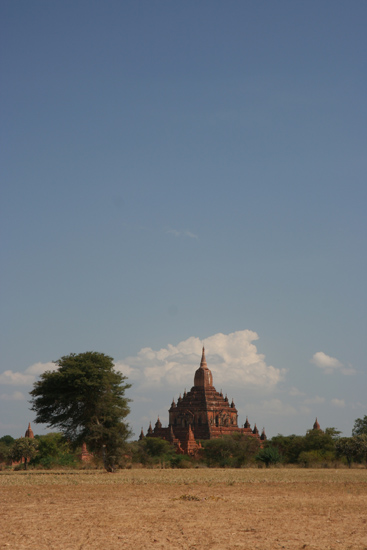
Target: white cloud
<point>16,378</point>
<point>338,402</point>
<point>323,361</point>
<point>27,377</point>
<point>40,368</point>
<point>191,235</point>
<point>330,364</point>
<point>15,396</point>
<point>349,370</point>
<point>232,358</point>
<point>182,233</point>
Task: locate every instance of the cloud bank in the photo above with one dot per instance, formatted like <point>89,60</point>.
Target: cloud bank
<point>232,358</point>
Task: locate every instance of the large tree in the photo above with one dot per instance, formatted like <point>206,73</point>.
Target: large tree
<point>85,399</point>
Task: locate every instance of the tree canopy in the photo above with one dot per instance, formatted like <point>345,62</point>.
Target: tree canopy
<point>360,426</point>
<point>25,449</point>
<point>54,451</point>
<point>230,450</point>
<point>6,443</point>
<point>85,399</point>
<point>317,446</point>
<point>353,448</point>
<point>269,455</point>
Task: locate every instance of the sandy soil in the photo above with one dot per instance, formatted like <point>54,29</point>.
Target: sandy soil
<point>185,509</point>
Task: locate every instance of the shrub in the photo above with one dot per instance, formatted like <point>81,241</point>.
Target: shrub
<point>269,456</point>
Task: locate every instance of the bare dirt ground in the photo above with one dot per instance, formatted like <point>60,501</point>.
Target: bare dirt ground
<point>185,509</point>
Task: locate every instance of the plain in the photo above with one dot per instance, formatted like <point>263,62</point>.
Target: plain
<point>185,509</point>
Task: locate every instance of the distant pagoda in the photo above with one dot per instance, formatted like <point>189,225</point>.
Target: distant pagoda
<point>201,413</point>
<point>29,432</point>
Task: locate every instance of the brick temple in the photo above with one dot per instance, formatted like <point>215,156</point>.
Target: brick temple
<point>201,413</point>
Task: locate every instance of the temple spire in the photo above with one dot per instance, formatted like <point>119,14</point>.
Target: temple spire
<point>203,359</point>
<point>203,376</point>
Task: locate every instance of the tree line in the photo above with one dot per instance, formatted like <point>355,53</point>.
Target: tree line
<point>315,449</point>
<point>84,398</point>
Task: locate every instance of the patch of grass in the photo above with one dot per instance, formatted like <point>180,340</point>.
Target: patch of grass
<point>198,499</point>
<point>188,497</point>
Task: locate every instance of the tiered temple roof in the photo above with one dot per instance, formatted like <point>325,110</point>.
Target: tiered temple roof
<point>202,413</point>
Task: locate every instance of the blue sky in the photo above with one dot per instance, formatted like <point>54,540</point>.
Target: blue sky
<point>180,173</point>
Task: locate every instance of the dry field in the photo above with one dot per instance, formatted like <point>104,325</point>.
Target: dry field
<point>185,509</point>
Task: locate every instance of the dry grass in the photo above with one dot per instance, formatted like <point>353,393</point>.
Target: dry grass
<point>185,509</point>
